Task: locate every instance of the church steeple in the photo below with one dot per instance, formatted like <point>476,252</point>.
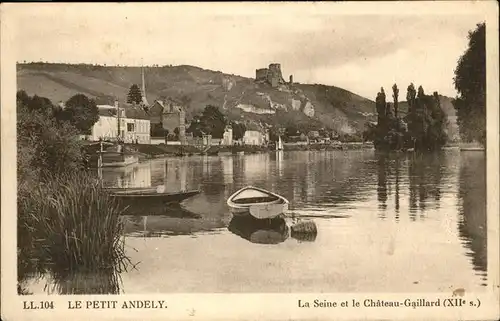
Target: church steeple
<point>144,99</point>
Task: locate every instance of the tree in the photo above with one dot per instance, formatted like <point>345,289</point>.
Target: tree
<point>81,112</point>
<point>46,146</point>
<point>291,130</point>
<point>426,122</point>
<point>196,126</point>
<point>134,95</point>
<point>274,134</point>
<point>212,122</point>
<point>239,130</point>
<point>395,94</point>
<point>470,82</point>
<point>215,121</point>
<point>381,106</point>
<point>410,97</point>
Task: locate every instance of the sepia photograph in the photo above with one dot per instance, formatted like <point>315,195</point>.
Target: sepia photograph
<point>164,149</point>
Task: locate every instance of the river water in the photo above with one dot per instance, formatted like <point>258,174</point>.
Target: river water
<point>393,223</point>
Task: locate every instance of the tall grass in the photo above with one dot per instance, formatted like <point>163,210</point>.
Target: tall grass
<point>70,226</point>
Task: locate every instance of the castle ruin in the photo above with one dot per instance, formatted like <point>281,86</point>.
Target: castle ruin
<point>271,75</point>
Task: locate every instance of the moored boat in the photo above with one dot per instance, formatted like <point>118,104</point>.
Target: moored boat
<point>117,159</point>
<point>257,202</point>
<point>133,189</point>
<point>145,201</point>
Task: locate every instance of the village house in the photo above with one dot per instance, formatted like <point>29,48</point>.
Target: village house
<point>255,135</point>
<point>134,124</point>
<point>166,115</point>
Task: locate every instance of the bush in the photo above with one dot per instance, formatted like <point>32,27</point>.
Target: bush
<point>69,226</point>
<point>66,223</point>
<point>46,146</point>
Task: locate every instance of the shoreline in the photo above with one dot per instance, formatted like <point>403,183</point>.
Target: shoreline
<point>149,151</point>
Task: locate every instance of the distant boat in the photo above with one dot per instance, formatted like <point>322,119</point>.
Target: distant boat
<point>257,202</point>
<point>118,159</point>
<point>279,145</point>
<point>112,156</point>
<point>474,146</point>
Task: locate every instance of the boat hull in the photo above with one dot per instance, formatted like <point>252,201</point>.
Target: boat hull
<point>131,189</point>
<point>257,202</point>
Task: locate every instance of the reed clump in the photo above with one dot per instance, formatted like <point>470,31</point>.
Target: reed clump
<point>72,226</point>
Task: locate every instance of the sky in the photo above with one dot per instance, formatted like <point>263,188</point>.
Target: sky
<point>358,50</point>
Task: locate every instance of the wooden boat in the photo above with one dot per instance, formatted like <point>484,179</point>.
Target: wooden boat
<point>271,231</point>
<point>113,156</point>
<point>257,202</point>
<point>132,189</point>
<point>141,202</point>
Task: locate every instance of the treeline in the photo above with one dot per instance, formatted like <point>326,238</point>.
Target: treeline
<point>422,128</point>
<point>211,121</point>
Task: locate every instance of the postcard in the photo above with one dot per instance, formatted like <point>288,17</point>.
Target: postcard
<point>250,161</point>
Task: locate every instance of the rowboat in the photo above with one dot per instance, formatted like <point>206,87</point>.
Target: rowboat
<point>257,202</point>
<point>271,231</point>
<point>149,203</point>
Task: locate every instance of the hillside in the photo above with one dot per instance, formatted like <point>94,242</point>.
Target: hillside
<point>240,98</point>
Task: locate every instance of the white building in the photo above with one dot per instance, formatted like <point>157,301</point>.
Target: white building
<point>253,137</point>
<point>227,138</point>
<point>134,125</point>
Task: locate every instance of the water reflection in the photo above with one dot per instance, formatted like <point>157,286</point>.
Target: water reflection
<point>425,174</point>
<point>103,282</point>
<point>163,226</point>
<point>382,184</point>
<point>472,224</point>
<point>424,181</point>
<point>268,231</point>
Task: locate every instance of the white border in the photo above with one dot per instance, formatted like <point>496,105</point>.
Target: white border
<point>250,306</point>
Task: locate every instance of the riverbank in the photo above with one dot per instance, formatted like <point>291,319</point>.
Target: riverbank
<point>155,151</point>
<point>162,150</point>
